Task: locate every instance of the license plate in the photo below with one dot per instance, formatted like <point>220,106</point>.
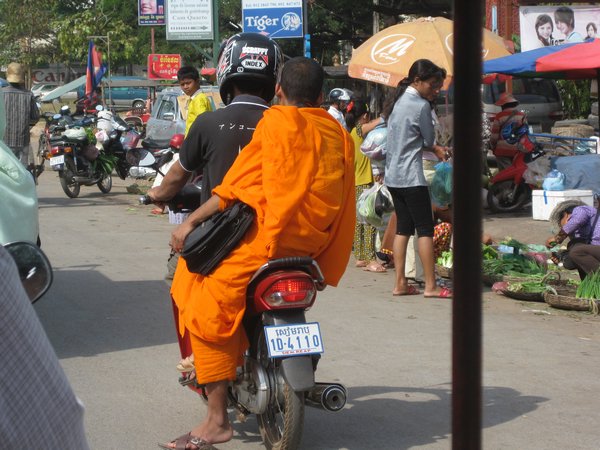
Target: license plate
<point>294,340</point>
<point>57,161</point>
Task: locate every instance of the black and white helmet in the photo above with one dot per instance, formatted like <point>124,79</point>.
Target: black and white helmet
<point>250,56</point>
<point>339,95</point>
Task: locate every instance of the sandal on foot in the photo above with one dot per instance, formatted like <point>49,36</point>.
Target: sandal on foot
<point>374,266</point>
<point>186,364</point>
<point>188,378</point>
<point>410,290</point>
<point>181,443</point>
<point>444,293</point>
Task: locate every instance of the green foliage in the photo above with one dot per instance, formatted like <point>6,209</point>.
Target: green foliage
<point>25,31</point>
<point>575,98</point>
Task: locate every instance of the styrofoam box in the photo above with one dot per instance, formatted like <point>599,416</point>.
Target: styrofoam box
<point>543,202</point>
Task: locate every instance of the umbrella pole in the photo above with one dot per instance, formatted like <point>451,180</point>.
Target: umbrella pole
<point>467,205</point>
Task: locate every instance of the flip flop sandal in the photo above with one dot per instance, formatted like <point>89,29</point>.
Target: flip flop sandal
<point>411,290</point>
<point>374,267</point>
<point>188,378</point>
<point>444,293</point>
<point>182,442</point>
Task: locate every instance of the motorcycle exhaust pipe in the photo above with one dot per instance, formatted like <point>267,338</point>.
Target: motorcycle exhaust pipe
<point>327,396</point>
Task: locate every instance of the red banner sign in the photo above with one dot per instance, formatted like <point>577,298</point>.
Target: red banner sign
<point>163,67</point>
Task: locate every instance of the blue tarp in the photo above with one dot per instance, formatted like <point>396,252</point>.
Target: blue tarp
<point>581,172</point>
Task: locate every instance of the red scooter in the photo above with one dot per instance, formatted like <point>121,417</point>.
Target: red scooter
<point>508,190</point>
<point>277,378</point>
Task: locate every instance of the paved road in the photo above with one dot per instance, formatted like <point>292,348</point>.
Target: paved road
<point>109,318</point>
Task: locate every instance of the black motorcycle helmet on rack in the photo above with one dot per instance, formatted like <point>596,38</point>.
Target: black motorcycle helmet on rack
<point>249,57</point>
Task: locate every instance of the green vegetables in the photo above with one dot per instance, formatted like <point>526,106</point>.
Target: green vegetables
<point>445,260</point>
<point>529,287</point>
<point>589,286</point>
<point>488,252</point>
<point>515,265</point>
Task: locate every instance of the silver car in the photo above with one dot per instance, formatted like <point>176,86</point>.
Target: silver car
<point>166,119</point>
<point>538,98</point>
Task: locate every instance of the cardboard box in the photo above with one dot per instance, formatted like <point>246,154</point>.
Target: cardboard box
<point>543,202</point>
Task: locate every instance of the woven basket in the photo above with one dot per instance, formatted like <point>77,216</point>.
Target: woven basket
<point>489,279</point>
<point>443,272</point>
<point>579,130</point>
<point>527,296</point>
<point>571,303</point>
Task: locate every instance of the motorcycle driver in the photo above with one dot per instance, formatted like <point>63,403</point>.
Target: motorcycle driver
<point>216,137</point>
<point>297,173</point>
<point>339,99</point>
<point>509,116</point>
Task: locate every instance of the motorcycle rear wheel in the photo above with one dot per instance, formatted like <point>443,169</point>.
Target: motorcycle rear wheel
<point>498,196</point>
<point>68,184</point>
<point>282,423</point>
<point>105,184</point>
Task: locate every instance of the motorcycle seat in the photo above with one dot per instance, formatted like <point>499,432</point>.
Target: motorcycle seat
<point>68,140</point>
<point>150,144</point>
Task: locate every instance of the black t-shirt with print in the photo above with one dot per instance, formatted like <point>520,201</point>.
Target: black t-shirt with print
<point>215,139</point>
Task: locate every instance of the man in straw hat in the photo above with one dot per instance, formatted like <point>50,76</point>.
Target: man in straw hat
<point>505,151</point>
<point>21,112</point>
<point>578,222</point>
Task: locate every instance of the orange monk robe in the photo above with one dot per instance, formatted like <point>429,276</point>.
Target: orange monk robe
<point>298,175</point>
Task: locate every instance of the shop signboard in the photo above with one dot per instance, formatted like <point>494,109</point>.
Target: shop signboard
<point>546,25</point>
<point>275,18</point>
<point>189,20</point>
<point>163,66</point>
<point>151,12</point>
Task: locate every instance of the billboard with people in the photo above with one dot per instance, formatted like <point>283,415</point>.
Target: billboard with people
<point>543,26</point>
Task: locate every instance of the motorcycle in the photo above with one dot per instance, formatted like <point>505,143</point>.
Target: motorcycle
<point>277,378</point>
<point>508,189</point>
<point>162,157</point>
<point>77,161</point>
<point>117,138</point>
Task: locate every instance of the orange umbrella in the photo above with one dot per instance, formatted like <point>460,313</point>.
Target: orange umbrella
<point>387,56</point>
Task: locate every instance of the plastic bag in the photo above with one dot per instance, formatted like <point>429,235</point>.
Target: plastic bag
<point>365,207</point>
<point>554,181</point>
<point>373,147</point>
<point>537,171</point>
<point>383,201</point>
<point>441,185</point>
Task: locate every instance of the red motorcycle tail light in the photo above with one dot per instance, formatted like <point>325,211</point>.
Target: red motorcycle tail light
<point>55,150</point>
<point>285,291</point>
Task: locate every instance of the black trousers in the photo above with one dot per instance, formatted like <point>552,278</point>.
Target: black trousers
<point>583,257</point>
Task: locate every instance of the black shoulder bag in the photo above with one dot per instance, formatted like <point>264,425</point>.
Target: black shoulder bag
<point>211,241</point>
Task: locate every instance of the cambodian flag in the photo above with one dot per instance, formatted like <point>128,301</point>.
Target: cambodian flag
<point>94,73</point>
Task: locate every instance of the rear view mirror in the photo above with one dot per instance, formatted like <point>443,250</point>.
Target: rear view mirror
<point>34,268</point>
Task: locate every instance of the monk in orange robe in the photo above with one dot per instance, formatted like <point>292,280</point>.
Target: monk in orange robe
<point>297,173</point>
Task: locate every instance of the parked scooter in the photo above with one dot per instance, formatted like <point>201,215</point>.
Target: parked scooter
<point>277,378</point>
<point>508,189</point>
<point>117,138</point>
<point>162,158</point>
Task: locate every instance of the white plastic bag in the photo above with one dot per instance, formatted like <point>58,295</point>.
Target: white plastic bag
<point>537,171</point>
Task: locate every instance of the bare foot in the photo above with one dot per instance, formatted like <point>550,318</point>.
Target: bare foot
<point>213,432</point>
